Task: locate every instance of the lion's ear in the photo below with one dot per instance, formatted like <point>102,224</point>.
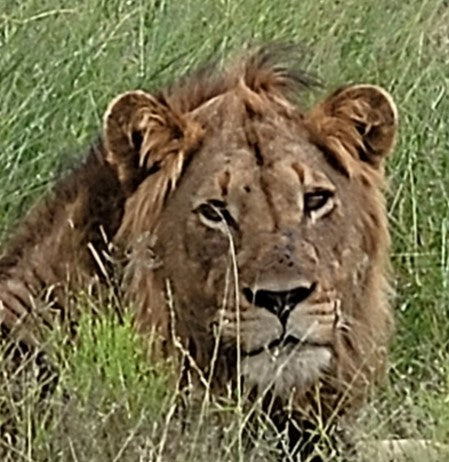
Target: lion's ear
<point>359,120</point>
<point>141,134</point>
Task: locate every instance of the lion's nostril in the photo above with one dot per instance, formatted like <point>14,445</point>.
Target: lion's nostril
<point>249,295</point>
<point>279,302</point>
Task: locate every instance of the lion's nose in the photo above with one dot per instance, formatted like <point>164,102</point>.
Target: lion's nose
<point>279,302</point>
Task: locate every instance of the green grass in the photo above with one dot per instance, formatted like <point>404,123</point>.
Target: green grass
<point>105,403</point>
<point>60,64</point>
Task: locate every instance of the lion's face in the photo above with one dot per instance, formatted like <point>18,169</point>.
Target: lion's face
<point>264,243</point>
<point>274,239</point>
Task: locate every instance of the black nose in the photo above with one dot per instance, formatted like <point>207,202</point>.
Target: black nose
<point>279,302</point>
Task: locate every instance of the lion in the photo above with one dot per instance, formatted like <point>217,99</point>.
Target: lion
<point>254,234</point>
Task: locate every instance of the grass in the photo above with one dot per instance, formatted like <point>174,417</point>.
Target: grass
<point>60,64</point>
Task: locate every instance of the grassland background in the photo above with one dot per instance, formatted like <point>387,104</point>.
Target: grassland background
<point>62,61</point>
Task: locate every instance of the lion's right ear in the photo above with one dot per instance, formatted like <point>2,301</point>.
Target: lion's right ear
<point>141,133</point>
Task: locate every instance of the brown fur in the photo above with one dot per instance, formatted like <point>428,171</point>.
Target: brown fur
<point>303,218</point>
<point>59,248</point>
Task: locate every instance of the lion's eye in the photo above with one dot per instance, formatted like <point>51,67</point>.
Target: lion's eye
<point>316,200</point>
<point>215,211</point>
<point>212,210</point>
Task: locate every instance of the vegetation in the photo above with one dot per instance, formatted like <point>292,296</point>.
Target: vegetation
<point>60,64</point>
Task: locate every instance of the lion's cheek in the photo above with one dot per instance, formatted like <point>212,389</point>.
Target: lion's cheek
<point>253,330</point>
<point>315,328</point>
<point>204,252</point>
<point>200,301</point>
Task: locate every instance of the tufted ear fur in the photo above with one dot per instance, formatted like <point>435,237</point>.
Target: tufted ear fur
<point>142,135</point>
<point>359,121</point>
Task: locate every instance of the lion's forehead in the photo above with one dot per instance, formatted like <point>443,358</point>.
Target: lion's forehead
<point>231,126</point>
<point>286,162</point>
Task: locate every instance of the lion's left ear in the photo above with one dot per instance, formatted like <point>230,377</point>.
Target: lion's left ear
<point>142,135</point>
<point>359,120</point>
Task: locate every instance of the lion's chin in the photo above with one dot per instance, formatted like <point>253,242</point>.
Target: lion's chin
<point>286,370</point>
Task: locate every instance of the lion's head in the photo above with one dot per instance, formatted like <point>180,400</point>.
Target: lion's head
<point>268,223</point>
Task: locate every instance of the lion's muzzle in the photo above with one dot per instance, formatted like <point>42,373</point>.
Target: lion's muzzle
<point>286,336</point>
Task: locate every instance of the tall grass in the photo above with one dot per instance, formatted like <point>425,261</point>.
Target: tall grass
<point>60,64</point>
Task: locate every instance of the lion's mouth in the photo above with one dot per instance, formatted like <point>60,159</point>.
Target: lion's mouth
<point>281,343</point>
